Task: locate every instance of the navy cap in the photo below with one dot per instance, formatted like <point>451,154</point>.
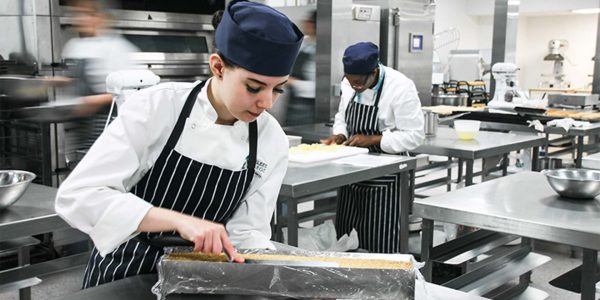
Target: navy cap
<point>361,58</point>
<point>258,38</point>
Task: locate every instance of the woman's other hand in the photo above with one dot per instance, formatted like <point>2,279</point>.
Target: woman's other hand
<point>360,140</point>
<point>335,139</point>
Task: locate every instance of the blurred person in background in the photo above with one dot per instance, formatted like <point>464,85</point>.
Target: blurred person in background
<point>380,110</point>
<point>95,53</point>
<point>301,103</point>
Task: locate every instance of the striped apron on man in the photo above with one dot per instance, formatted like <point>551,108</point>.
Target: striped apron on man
<point>371,207</point>
<point>181,184</point>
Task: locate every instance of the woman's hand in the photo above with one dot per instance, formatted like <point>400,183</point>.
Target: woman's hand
<point>207,236</point>
<point>335,139</point>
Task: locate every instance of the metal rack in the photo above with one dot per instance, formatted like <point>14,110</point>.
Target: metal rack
<point>26,145</point>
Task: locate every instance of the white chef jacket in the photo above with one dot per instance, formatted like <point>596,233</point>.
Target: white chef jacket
<point>104,54</point>
<point>399,118</point>
<point>96,197</point>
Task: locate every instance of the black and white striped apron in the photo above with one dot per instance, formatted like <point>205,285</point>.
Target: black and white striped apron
<point>181,184</point>
<point>371,207</point>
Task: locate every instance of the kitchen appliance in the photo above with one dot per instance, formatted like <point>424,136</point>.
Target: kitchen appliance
<point>573,101</point>
<point>122,83</point>
<point>556,48</point>
<point>450,99</point>
<point>574,183</point>
<point>505,75</point>
<point>174,46</point>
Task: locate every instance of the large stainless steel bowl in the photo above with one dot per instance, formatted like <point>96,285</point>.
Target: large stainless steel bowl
<point>13,184</point>
<point>574,183</point>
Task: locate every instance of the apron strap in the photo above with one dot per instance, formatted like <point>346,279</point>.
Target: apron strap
<point>253,134</point>
<point>185,113</point>
<point>376,104</point>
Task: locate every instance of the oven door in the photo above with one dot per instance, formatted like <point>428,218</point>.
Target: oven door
<point>175,46</point>
<point>174,56</point>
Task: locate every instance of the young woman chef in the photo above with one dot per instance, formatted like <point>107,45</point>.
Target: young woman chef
<point>380,110</point>
<point>201,159</point>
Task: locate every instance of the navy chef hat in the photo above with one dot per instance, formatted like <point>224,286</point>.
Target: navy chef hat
<point>361,58</point>
<point>258,38</point>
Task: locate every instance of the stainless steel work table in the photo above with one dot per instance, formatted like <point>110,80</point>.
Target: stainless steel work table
<point>522,204</point>
<point>138,288</point>
<point>591,161</point>
<point>303,182</point>
<point>32,214</point>
<point>579,133</point>
<point>486,145</point>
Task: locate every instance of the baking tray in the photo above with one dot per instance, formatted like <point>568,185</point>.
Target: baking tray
<point>193,276</point>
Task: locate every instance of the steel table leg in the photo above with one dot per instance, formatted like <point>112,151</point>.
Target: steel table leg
<point>535,159</point>
<point>469,175</point>
<point>588,274</point>
<point>449,173</point>
<point>24,259</point>
<point>426,246</point>
<point>579,151</point>
<point>292,221</point>
<point>405,207</point>
<point>460,170</point>
<point>505,163</point>
<point>525,279</point>
<point>279,220</point>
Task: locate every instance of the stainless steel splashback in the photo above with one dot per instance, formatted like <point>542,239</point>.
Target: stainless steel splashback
<point>337,28</point>
<point>407,41</point>
<point>403,29</point>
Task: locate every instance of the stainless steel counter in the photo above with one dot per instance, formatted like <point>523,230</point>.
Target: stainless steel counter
<point>486,145</point>
<point>522,204</point>
<point>32,214</point>
<point>591,161</point>
<point>578,133</point>
<point>138,288</point>
<point>301,180</point>
<point>446,143</point>
<point>304,182</point>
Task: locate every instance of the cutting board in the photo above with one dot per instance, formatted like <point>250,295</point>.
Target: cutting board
<point>317,152</point>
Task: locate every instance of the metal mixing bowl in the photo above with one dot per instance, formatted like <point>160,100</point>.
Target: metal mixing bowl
<point>574,183</point>
<point>13,184</point>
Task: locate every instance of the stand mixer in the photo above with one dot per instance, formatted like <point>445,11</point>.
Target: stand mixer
<point>506,95</point>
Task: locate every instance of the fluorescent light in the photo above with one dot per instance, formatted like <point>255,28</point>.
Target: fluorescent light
<point>514,2</point>
<point>586,11</point>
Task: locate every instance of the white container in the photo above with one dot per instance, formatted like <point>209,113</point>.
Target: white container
<point>466,129</point>
<point>294,140</point>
